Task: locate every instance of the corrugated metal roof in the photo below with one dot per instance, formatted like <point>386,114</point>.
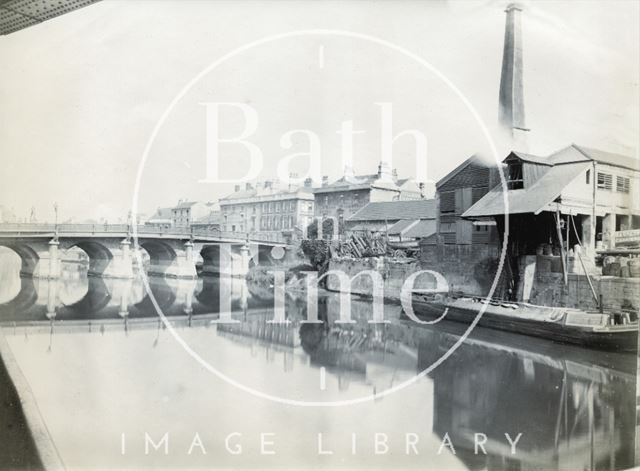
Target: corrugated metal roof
<point>396,210</point>
<point>424,228</point>
<point>529,200</point>
<point>19,14</point>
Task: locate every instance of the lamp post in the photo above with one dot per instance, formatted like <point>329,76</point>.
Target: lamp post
<point>129,224</point>
<point>55,211</point>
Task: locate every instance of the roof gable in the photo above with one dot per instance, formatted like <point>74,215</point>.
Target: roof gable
<point>472,172</point>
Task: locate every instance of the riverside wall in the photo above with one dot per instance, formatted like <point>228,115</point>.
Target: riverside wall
<point>471,270</point>
<point>394,274</point>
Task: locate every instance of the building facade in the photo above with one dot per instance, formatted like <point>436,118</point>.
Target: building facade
<point>268,210</point>
<point>161,219</point>
<point>210,222</point>
<point>563,212</point>
<point>186,212</point>
<point>598,190</point>
<point>344,197</point>
<point>457,192</point>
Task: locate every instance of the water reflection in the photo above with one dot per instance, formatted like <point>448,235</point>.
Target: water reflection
<point>575,407</point>
<point>104,298</point>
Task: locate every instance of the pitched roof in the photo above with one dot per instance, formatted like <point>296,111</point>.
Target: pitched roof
<point>359,182</point>
<point>401,226</point>
<point>396,210</point>
<point>424,228</point>
<point>610,158</point>
<point>276,189</point>
<point>536,159</point>
<point>529,200</point>
<point>475,159</point>
<point>566,164</point>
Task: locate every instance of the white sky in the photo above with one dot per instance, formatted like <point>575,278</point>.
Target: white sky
<point>80,94</point>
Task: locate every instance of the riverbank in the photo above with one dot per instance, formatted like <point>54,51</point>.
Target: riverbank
<point>394,273</point>
<point>26,443</point>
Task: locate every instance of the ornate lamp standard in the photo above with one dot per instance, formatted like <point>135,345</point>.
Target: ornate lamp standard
<point>55,225</point>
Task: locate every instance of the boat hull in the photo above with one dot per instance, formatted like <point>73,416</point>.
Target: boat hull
<point>615,338</point>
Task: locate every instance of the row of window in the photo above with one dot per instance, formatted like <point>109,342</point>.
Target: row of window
<point>276,222</point>
<point>345,199</point>
<point>605,182</point>
<point>270,207</point>
<point>267,223</point>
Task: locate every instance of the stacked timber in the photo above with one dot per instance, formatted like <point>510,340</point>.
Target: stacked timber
<point>362,246</point>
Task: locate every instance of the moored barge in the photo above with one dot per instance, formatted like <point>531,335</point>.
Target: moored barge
<point>616,331</point>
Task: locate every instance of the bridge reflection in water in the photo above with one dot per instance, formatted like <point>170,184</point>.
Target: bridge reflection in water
<point>575,407</point>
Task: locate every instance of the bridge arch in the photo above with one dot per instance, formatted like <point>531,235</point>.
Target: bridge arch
<point>100,255</point>
<point>161,256</point>
<point>30,253</point>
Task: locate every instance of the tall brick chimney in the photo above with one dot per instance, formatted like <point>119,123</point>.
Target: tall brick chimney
<point>511,106</point>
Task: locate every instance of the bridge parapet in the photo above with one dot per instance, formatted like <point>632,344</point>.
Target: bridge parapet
<point>126,230</point>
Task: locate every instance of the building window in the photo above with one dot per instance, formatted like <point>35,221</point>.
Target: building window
<point>622,184</point>
<point>587,177</point>
<point>604,181</point>
<point>515,180</point>
<point>447,202</point>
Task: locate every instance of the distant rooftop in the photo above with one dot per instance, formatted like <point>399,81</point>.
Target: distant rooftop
<point>161,214</point>
<point>185,204</point>
<point>273,188</point>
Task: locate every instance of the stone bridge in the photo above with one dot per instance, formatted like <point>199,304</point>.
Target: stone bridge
<point>110,249</point>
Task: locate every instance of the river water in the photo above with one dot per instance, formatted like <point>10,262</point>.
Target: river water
<point>112,382</point>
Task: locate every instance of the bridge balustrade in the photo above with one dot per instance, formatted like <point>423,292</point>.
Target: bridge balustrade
<point>25,229</point>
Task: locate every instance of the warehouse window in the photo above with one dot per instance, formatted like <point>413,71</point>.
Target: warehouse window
<point>604,181</point>
<point>515,180</point>
<point>447,202</point>
<point>622,184</point>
